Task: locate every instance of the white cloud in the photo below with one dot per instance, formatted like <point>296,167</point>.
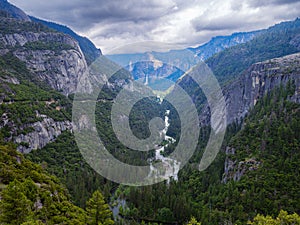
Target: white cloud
<point>180,23</point>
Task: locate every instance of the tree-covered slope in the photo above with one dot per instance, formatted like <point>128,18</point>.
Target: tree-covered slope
<point>220,43</point>
<point>32,114</point>
<point>277,41</point>
<point>63,159</point>
<point>13,10</point>
<point>266,159</point>
<point>29,195</point>
<point>265,156</point>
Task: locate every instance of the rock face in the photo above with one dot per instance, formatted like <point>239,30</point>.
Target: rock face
<point>44,132</point>
<point>41,133</point>
<point>62,67</point>
<point>243,94</point>
<point>258,80</point>
<point>234,170</point>
<point>50,57</point>
<point>7,79</point>
<point>20,39</point>
<point>89,50</point>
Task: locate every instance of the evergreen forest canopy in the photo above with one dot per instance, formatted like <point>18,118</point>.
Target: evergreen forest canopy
<point>54,185</point>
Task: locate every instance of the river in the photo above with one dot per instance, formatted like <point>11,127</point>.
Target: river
<point>170,166</point>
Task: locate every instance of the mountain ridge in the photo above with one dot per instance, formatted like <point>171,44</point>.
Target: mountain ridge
<point>219,43</point>
<point>13,10</point>
<point>39,69</point>
<point>176,62</point>
<point>90,51</point>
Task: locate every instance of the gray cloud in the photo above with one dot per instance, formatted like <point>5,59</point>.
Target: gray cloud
<point>123,29</point>
<point>219,24</point>
<point>83,14</point>
<point>113,23</point>
<point>247,15</point>
<point>259,3</point>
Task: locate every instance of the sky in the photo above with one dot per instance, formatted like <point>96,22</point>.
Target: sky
<point>115,24</point>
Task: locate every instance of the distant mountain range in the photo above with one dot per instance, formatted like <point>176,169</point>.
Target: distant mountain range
<point>153,68</point>
<point>257,170</point>
<point>219,43</point>
<point>276,41</point>
<point>231,69</point>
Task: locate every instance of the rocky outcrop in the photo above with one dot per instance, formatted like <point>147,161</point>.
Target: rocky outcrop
<point>42,132</point>
<point>243,94</point>
<point>7,79</point>
<point>55,59</point>
<point>51,58</point>
<point>260,79</point>
<point>89,50</point>
<point>45,131</point>
<point>234,169</point>
<point>62,68</point>
<point>62,72</point>
<point>21,38</point>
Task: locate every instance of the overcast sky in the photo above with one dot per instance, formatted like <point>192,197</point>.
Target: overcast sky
<point>178,23</point>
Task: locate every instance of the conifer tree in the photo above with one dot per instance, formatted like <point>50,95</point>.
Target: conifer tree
<point>14,205</point>
<point>98,211</point>
<point>193,221</point>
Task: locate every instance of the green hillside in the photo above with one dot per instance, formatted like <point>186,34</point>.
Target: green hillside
<point>270,136</point>
<point>277,41</point>
<point>255,177</point>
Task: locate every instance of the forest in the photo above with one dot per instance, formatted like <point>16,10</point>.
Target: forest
<point>255,178</point>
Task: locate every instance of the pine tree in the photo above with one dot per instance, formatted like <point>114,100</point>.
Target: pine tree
<point>14,206</point>
<point>98,211</point>
<point>193,221</point>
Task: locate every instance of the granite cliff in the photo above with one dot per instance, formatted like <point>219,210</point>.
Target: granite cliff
<point>54,58</point>
<point>41,133</point>
<point>31,52</point>
<point>243,94</point>
<point>91,53</point>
